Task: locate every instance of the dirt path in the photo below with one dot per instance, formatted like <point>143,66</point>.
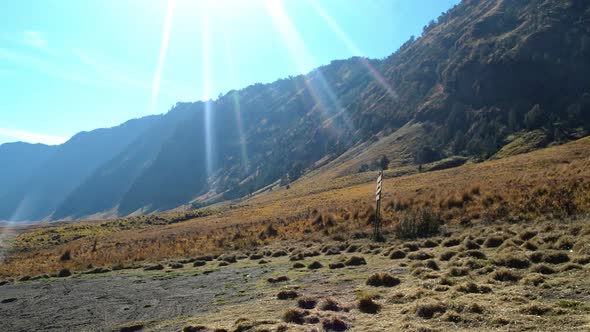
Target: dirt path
<point>104,303</point>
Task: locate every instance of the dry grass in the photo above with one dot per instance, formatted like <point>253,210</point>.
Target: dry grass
<point>550,183</point>
<point>501,269</point>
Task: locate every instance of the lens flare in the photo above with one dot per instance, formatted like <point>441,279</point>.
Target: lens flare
<point>162,57</point>
<point>236,100</point>
<point>353,48</point>
<point>304,60</point>
<point>208,115</point>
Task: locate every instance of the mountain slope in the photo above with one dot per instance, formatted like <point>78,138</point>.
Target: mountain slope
<point>105,187</point>
<point>485,72</point>
<point>18,161</point>
<point>68,166</point>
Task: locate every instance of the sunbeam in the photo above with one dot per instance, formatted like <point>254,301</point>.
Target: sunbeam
<point>304,60</point>
<point>207,95</point>
<point>7,233</point>
<point>162,57</point>
<point>236,100</point>
<point>353,48</point>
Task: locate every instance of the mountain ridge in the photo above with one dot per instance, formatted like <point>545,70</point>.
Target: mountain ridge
<point>486,70</point>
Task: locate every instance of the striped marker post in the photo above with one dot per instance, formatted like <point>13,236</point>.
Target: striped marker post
<point>377,224</point>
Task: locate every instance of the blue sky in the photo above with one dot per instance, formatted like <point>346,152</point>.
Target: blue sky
<point>71,65</point>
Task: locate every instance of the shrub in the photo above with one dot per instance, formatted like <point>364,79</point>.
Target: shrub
<point>64,273</point>
<point>447,255</point>
<point>536,257</point>
<point>474,254</point>
<point>451,316</point>
<point>471,245</point>
<point>493,242</point>
<point>411,246</point>
<point>528,245</point>
<point>334,324</point>
<point>307,303</point>
<point>458,272</point>
<point>332,251</point>
<point>256,256</point>
<point>230,259</point>
<point>421,255</point>
<point>312,319</point>
<point>397,254</point>
<point>513,261</point>
<point>277,279</point>
<point>527,235</point>
<point>429,244</point>
<point>543,269</point>
<point>583,260</point>
<point>533,279</point>
<point>197,328</point>
<point>416,224</point>
<point>199,263</point>
<point>446,281</point>
<point>279,253</point>
<point>368,306</point>
<point>206,258</point>
<point>428,310</point>
<point>451,242</point>
<point>355,261</point>
<point>555,257</point>
<point>176,265</point>
<point>475,308</point>
<point>66,256</point>
<point>535,309</point>
<point>506,275</point>
<point>431,264</point>
<point>98,270</point>
<point>298,265</point>
<point>333,266</point>
<point>353,248</point>
<point>330,305</point>
<point>382,279</point>
<point>571,266</point>
<point>287,295</point>
<point>471,287</point>
<point>295,316</point>
<point>131,327</point>
<point>315,265</point>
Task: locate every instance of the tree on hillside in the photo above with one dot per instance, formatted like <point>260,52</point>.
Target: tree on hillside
<point>535,117</point>
<point>384,162</point>
<point>296,171</point>
<point>426,155</point>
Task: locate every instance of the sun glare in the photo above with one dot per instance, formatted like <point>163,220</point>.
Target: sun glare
<point>320,90</point>
<point>162,57</point>
<point>352,47</point>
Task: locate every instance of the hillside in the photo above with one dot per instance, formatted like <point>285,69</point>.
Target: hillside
<point>485,73</point>
<point>509,251</point>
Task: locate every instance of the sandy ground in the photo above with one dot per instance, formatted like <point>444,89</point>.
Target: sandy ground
<point>106,302</point>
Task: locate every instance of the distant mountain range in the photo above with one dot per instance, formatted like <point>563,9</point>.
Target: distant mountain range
<point>485,76</point>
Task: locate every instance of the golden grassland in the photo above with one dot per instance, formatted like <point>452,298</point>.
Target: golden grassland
<point>508,277</point>
<point>552,183</point>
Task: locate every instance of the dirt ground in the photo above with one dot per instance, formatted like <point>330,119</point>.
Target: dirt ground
<point>509,277</point>
<point>107,302</point>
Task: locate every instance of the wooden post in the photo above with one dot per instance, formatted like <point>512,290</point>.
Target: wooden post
<point>377,224</point>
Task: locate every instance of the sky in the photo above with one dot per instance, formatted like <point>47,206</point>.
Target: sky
<point>68,65</point>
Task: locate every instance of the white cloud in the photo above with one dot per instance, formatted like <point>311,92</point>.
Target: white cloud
<point>44,66</point>
<point>30,137</point>
<point>36,40</point>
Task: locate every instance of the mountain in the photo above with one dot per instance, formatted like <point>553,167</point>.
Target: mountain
<point>18,161</point>
<point>487,79</point>
<point>50,181</point>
